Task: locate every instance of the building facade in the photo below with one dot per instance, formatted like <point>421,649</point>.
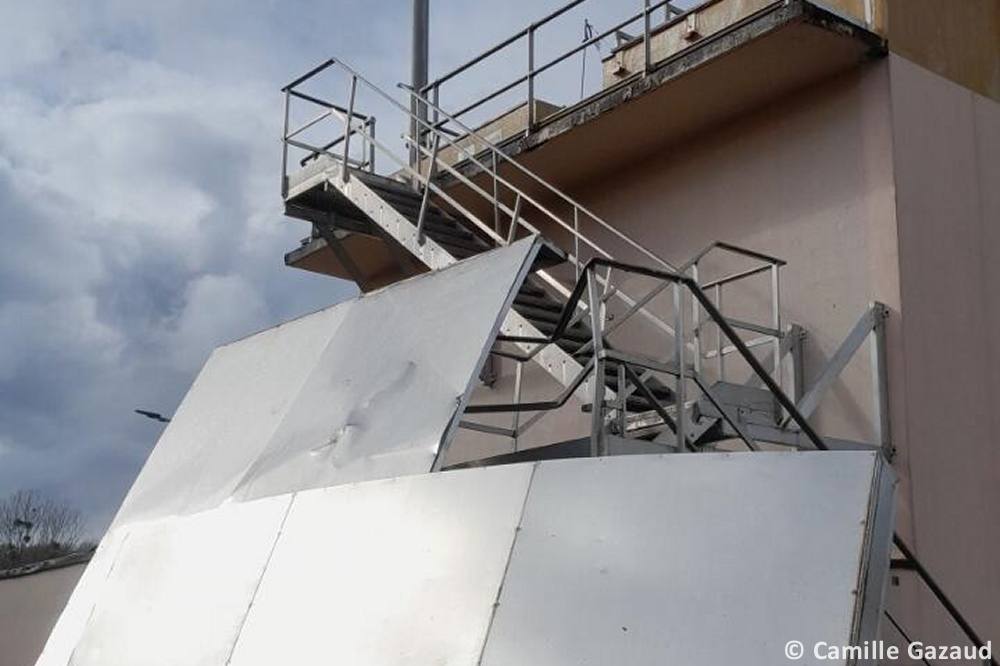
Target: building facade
<point>856,141</point>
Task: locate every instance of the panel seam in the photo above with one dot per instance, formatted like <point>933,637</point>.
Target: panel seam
<point>506,568</point>
<point>260,579</point>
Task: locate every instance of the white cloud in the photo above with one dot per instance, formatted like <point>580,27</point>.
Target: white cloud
<point>217,308</point>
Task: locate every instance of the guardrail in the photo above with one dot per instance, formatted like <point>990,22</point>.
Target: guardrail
<point>509,219</point>
<point>525,39</point>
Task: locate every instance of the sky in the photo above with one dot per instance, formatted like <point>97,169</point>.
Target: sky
<point>140,211</point>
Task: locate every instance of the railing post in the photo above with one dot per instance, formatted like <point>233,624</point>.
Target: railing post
<point>720,359</point>
<point>516,423</point>
<point>371,145</point>
<point>598,437</point>
<point>350,128</point>
<point>622,401</point>
<point>436,98</point>
<point>576,240</point>
<point>531,77</point>
<point>776,322</point>
<point>515,216</point>
<point>425,201</point>
<point>284,147</point>
<point>496,195</point>
<point>680,395</point>
<point>645,36</point>
<point>695,321</point>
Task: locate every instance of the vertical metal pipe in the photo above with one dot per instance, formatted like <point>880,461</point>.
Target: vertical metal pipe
<point>681,392</point>
<point>514,220</point>
<point>531,77</point>
<point>645,36</point>
<point>695,320</point>
<point>776,322</point>
<point>496,195</point>
<point>720,360</point>
<point>284,147</point>
<point>345,171</point>
<point>371,146</point>
<point>576,240</point>
<point>426,198</point>
<point>516,423</point>
<point>622,401</point>
<point>598,437</point>
<point>418,74</point>
<point>436,99</point>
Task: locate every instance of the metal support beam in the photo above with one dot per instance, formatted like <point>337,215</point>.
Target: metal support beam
<point>880,381</point>
<point>342,255</point>
<point>418,76</point>
<point>835,366</point>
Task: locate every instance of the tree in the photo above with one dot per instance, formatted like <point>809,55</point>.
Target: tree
<point>35,528</point>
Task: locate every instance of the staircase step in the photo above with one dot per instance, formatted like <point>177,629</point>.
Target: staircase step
<point>528,288</point>
<point>535,313</point>
<point>577,334</point>
<point>466,247</point>
<point>540,302</point>
<point>447,228</point>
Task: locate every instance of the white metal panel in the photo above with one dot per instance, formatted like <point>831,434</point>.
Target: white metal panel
<point>383,394</point>
<point>228,416</point>
<point>180,588</point>
<point>386,573</point>
<point>362,390</point>
<point>73,619</point>
<point>685,559</point>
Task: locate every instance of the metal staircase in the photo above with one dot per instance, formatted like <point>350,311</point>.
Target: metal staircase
<point>448,237</point>
<point>464,195</point>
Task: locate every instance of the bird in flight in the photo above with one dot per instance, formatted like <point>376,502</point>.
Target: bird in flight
<point>153,415</point>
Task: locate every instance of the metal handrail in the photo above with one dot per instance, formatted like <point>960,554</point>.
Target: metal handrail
<point>633,306</point>
<point>576,206</point>
<point>674,15</point>
<point>516,219</point>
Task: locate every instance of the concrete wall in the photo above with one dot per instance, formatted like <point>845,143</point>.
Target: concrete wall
<point>946,144</point>
<point>958,40</point>
<point>29,607</point>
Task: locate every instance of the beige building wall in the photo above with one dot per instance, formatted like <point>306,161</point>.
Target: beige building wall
<point>946,145</point>
<point>29,608</point>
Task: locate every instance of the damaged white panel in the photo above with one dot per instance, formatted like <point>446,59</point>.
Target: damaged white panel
<point>692,559</point>
<point>180,588</point>
<point>228,416</point>
<point>387,573</point>
<point>363,390</point>
<point>382,396</point>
